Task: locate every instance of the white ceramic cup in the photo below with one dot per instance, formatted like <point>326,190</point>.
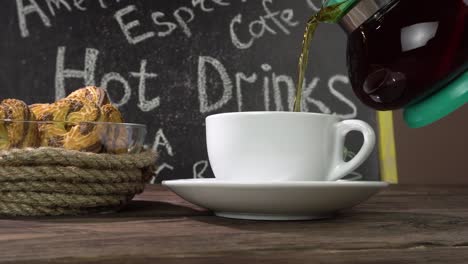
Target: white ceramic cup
<point>282,146</point>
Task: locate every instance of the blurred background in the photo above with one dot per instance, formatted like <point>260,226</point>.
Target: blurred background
<point>435,154</point>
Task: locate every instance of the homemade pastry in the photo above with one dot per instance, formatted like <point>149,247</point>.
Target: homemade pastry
<point>113,138</point>
<point>71,123</point>
<point>39,109</point>
<point>68,129</point>
<point>111,114</point>
<point>91,93</point>
<point>17,134</point>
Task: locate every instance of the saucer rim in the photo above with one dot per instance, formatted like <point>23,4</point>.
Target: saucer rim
<point>218,196</point>
<point>233,183</point>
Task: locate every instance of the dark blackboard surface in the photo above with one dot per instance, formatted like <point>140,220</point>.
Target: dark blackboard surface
<point>156,72</point>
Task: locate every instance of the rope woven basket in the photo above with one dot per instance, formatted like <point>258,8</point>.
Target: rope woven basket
<point>55,181</point>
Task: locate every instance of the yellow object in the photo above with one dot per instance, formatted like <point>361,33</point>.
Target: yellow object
<point>387,153</point>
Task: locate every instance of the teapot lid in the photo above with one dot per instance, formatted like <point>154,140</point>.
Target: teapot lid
<point>438,105</point>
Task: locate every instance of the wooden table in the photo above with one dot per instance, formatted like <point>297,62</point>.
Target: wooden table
<point>403,224</point>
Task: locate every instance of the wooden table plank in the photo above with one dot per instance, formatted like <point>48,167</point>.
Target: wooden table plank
<point>419,255</point>
<point>414,224</point>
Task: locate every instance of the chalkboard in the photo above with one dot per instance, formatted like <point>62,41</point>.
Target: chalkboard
<point>169,64</point>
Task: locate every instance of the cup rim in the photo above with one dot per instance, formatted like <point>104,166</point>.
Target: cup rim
<point>264,113</point>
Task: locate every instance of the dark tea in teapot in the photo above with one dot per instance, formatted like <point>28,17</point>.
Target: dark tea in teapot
<point>399,51</point>
<point>408,50</point>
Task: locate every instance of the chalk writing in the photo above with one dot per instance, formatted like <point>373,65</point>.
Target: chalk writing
<point>266,23</point>
<point>163,25</point>
<point>183,22</point>
<point>161,141</point>
<point>24,10</point>
<point>331,85</point>
<point>116,77</point>
<point>61,73</point>
<point>57,4</point>
<point>126,27</point>
<point>240,76</point>
<point>308,98</point>
<point>266,92</point>
<point>288,81</point>
<point>316,7</point>
<point>161,167</point>
<point>88,76</point>
<point>280,85</point>
<point>162,145</point>
<point>79,5</point>
<point>52,7</point>
<point>354,176</point>
<point>202,4</point>
<point>144,104</point>
<point>199,169</point>
<point>202,84</point>
<point>170,26</point>
<point>102,3</point>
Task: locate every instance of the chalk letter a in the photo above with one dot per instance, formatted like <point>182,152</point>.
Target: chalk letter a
<point>23,11</point>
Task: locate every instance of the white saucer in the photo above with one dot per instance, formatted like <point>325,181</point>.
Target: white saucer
<point>274,200</point>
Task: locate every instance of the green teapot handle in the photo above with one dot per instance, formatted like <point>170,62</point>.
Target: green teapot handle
<point>438,105</point>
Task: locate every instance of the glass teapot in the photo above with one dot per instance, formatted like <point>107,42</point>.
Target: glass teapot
<point>410,54</point>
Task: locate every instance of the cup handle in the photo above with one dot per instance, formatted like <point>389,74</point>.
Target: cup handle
<point>339,167</point>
